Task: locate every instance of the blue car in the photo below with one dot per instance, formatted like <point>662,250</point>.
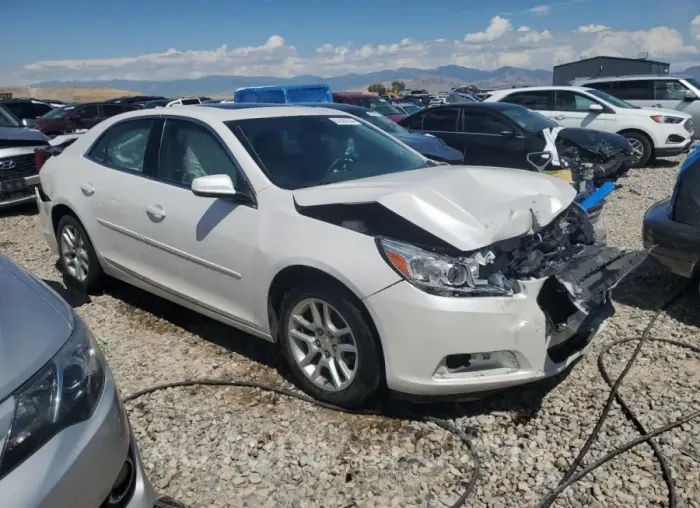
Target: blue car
<point>427,145</point>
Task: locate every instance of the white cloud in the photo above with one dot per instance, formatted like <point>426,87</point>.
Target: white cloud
<point>499,44</point>
<point>592,29</point>
<point>540,10</point>
<point>497,28</point>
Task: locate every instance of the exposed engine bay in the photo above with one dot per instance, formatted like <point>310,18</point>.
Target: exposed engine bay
<point>566,249</point>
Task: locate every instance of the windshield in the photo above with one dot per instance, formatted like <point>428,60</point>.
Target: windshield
<point>305,151</point>
<point>379,120</point>
<point>694,82</point>
<point>611,99</point>
<point>410,108</point>
<point>376,104</point>
<point>529,120</point>
<point>57,113</point>
<point>7,119</point>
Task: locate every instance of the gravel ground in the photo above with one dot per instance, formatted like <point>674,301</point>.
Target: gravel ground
<point>215,447</point>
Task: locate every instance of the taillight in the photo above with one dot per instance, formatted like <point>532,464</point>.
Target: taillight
<point>40,157</point>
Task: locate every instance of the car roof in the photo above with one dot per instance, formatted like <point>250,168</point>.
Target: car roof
<point>338,106</point>
<point>629,78</point>
<point>497,106</point>
<point>508,91</point>
<point>223,113</point>
<point>354,94</point>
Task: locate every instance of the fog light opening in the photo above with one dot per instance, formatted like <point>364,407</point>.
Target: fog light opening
<point>123,483</point>
<point>477,364</point>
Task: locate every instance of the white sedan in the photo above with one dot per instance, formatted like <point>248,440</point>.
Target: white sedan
<point>368,264</point>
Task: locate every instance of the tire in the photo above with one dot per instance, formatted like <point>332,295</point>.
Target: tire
<point>640,141</point>
<point>90,282</point>
<point>366,367</point>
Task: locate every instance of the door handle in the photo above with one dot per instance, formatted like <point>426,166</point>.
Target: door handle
<point>155,212</point>
<point>560,117</point>
<point>87,189</point>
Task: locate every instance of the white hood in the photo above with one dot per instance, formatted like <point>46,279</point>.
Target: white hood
<point>468,207</point>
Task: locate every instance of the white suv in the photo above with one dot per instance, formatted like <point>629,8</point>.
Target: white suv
<point>668,92</point>
<point>651,132</point>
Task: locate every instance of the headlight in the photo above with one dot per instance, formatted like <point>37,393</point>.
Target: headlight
<point>444,275</point>
<point>666,119</point>
<point>64,392</point>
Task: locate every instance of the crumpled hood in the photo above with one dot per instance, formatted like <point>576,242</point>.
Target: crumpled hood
<point>606,144</point>
<point>34,324</point>
<point>430,146</point>
<point>468,207</point>
<point>21,134</point>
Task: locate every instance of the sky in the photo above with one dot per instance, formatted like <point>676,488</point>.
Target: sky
<point>180,39</point>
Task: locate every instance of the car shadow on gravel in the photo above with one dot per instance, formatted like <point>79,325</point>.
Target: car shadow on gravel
<point>661,164</point>
<point>650,286</point>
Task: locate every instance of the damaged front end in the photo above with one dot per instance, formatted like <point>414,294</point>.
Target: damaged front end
<point>592,155</point>
<point>575,274</point>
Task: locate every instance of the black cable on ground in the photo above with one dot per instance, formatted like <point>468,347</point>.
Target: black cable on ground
<point>444,424</point>
<point>570,477</point>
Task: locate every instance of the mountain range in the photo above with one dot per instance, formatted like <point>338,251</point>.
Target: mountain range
<point>434,80</point>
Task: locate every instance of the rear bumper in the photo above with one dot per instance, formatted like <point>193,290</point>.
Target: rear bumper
<point>45,207</point>
<point>673,244</point>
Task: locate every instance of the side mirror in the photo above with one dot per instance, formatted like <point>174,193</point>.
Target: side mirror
<point>690,96</point>
<point>508,133</point>
<point>29,123</point>
<point>539,160</point>
<point>596,108</point>
<point>213,186</point>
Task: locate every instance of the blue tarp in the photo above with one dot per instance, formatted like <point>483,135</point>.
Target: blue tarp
<point>284,94</point>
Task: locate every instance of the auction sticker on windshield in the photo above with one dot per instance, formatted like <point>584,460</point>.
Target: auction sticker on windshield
<point>373,113</point>
<point>344,121</point>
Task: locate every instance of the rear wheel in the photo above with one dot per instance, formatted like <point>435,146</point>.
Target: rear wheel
<point>78,260</point>
<point>329,346</point>
<point>641,149</point>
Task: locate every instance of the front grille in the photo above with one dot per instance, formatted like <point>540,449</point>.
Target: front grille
<point>24,166</point>
<point>689,125</point>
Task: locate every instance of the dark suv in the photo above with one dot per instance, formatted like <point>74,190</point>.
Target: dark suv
<point>78,117</point>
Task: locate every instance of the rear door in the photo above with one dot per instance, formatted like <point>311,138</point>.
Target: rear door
<point>491,140</point>
<point>573,110</point>
<point>443,123</point>
<point>110,190</point>
<point>639,92</point>
<point>541,101</point>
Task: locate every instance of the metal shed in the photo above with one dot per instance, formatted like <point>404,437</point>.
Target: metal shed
<point>605,66</point>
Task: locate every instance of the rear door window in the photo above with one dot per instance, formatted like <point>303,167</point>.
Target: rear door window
<point>635,90</point>
<point>124,145</point>
<point>480,123</point>
<point>540,100</point>
<point>441,120</point>
<point>91,111</point>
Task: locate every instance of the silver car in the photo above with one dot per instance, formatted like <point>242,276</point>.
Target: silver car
<point>65,440</point>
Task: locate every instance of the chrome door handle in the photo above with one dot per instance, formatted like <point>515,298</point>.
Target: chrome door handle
<point>87,189</point>
<point>155,212</point>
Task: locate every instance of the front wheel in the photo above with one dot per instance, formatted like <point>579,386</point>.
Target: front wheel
<point>329,346</point>
<point>641,149</point>
<point>78,260</point>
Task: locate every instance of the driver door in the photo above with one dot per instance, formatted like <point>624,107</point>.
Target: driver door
<point>201,248</point>
<point>573,110</point>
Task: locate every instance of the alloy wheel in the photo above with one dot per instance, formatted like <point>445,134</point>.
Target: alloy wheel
<point>322,344</point>
<point>637,148</point>
<point>74,254</point>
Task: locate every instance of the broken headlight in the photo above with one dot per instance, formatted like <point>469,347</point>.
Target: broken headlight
<point>445,275</point>
<point>64,392</point>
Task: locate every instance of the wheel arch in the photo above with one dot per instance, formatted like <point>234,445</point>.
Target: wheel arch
<point>641,132</point>
<point>59,211</point>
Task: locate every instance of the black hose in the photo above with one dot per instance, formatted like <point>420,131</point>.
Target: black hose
<point>444,424</point>
<point>570,477</point>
